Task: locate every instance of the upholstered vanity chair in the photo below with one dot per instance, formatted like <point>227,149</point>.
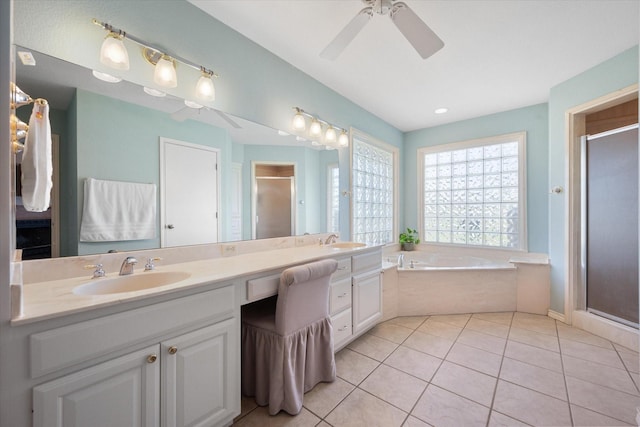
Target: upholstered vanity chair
<point>287,351</point>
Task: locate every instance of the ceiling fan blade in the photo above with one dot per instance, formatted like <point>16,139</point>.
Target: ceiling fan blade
<point>421,37</point>
<point>348,33</point>
<point>227,119</point>
<point>182,114</point>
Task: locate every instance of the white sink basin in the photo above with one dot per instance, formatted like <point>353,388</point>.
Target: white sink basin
<point>347,245</point>
<point>130,283</point>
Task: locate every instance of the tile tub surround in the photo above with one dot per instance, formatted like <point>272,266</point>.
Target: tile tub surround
<point>485,369</point>
<point>524,286</point>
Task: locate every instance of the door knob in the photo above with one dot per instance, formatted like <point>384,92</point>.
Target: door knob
<point>170,226</point>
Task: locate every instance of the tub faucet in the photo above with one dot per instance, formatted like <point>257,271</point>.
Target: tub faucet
<point>401,261</point>
<point>331,239</point>
<point>127,266</point>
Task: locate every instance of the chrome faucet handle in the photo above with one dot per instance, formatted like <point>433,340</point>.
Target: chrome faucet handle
<point>150,263</point>
<point>99,272</point>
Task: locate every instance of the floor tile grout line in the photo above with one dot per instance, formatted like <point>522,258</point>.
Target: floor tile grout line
<point>626,368</point>
<point>564,377</point>
<point>495,387</point>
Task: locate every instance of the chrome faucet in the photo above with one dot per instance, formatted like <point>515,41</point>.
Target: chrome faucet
<point>127,265</point>
<point>331,239</point>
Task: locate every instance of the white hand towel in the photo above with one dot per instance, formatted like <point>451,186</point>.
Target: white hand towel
<point>116,211</point>
<point>37,166</point>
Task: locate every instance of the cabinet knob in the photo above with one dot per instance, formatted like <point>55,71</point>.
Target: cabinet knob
<point>173,350</point>
<point>151,358</point>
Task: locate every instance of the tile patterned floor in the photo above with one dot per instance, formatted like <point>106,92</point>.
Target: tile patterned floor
<point>489,369</point>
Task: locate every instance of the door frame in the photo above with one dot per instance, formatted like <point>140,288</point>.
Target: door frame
<point>161,142</point>
<point>575,119</point>
<point>254,194</point>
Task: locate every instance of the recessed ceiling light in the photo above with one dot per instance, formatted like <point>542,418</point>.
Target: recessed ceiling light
<point>441,110</point>
<point>192,104</point>
<point>106,77</point>
<point>154,92</point>
<point>283,133</point>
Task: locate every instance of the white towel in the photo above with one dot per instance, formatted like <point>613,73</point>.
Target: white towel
<point>115,211</point>
<point>37,166</point>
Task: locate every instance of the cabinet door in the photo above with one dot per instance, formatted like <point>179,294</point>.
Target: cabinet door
<point>367,300</point>
<point>121,392</point>
<point>200,376</point>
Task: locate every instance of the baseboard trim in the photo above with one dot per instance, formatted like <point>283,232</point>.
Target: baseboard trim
<point>615,332</point>
<point>557,316</point>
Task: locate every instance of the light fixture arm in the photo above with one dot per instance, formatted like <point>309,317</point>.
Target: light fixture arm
<point>299,110</point>
<point>124,34</point>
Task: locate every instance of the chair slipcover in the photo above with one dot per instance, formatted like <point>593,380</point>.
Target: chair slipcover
<point>288,349</point>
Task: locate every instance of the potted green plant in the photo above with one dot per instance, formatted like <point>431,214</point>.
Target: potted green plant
<point>408,239</point>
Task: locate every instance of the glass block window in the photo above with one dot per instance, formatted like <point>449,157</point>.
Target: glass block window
<point>473,192</point>
<point>373,191</point>
<point>333,199</point>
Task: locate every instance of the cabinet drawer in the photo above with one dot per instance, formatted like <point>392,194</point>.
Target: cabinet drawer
<point>69,345</point>
<point>344,270</point>
<point>341,327</point>
<point>262,287</point>
<point>340,295</point>
<point>365,262</point>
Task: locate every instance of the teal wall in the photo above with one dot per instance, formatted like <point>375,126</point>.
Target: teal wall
<point>120,141</point>
<point>531,119</point>
<point>616,73</point>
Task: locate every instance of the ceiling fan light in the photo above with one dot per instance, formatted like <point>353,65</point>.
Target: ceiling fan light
<point>315,129</point>
<point>299,123</point>
<point>343,139</point>
<point>165,72</point>
<point>205,90</point>
<point>113,53</point>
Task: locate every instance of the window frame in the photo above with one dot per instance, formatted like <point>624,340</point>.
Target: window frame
<point>395,153</point>
<point>521,139</point>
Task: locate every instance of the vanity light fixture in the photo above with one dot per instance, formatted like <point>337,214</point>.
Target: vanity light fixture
<point>105,77</point>
<point>205,90</point>
<point>154,92</point>
<point>299,122</point>
<point>331,136</point>
<point>315,130</point>
<point>113,53</point>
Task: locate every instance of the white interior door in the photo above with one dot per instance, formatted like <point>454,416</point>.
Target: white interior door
<point>188,193</point>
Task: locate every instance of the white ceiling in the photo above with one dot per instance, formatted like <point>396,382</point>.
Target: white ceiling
<point>498,54</point>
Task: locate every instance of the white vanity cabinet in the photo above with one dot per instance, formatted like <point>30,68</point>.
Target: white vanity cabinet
<point>367,290</point>
<point>184,379</point>
<point>340,300</point>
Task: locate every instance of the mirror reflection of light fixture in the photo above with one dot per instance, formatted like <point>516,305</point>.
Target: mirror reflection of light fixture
<point>331,138</point>
<point>205,90</point>
<point>165,72</point>
<point>343,139</point>
<point>113,53</point>
<point>105,77</point>
<point>192,104</point>
<point>154,92</point>
<point>315,129</point>
<point>299,122</point>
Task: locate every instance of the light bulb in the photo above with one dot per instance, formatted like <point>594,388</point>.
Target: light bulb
<point>343,139</point>
<point>205,89</point>
<point>113,53</point>
<point>330,135</point>
<point>165,72</point>
<point>299,123</point>
<point>315,129</point>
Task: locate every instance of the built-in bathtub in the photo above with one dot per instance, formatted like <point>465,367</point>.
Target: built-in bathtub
<point>433,282</point>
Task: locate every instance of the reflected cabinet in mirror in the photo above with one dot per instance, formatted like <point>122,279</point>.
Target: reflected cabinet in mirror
<point>200,163</point>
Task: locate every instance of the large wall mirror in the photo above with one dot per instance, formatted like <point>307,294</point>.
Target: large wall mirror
<point>112,131</point>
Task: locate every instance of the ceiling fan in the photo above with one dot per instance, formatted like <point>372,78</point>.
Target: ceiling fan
<point>421,37</point>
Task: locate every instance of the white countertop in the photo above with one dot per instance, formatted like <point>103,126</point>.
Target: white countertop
<point>49,299</point>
